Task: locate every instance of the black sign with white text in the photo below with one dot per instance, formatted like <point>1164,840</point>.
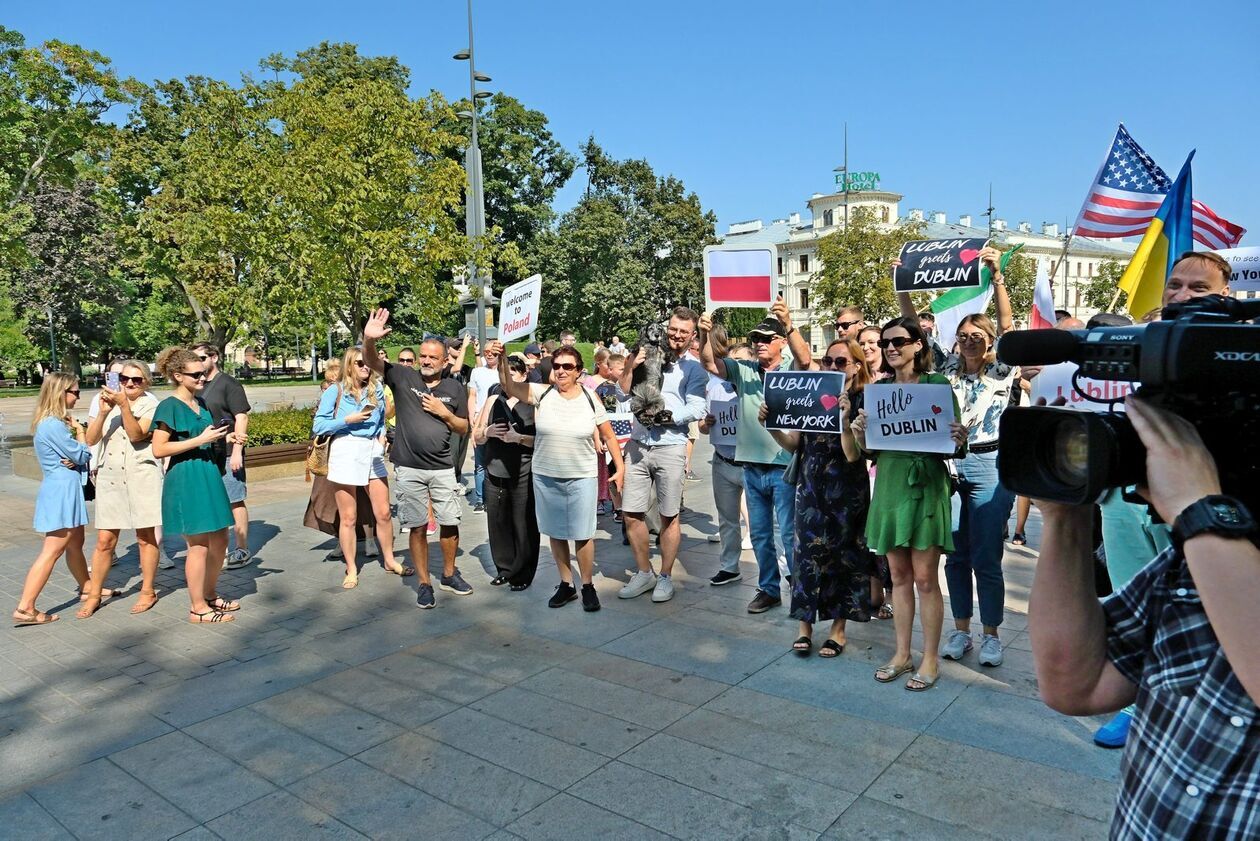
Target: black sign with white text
<point>804,401</point>
<point>929,265</point>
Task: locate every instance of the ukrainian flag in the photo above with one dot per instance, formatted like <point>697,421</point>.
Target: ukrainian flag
<point>1170,234</point>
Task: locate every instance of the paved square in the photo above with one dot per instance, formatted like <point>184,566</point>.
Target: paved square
<point>351,714</point>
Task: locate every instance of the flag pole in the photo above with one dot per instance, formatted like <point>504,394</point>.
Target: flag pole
<point>1114,299</point>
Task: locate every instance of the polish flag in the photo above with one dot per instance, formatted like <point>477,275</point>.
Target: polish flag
<point>1042,315</point>
<point>738,277</point>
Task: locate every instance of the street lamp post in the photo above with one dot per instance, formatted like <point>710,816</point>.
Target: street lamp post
<point>475,200</point>
<point>52,338</point>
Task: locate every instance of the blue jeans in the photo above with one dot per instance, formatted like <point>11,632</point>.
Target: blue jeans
<point>479,477</point>
<point>770,501</point>
<point>980,514</point>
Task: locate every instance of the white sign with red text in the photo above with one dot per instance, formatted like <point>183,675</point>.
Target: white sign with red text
<point>518,308</point>
<point>1055,381</point>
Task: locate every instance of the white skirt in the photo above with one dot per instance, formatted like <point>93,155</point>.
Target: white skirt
<point>354,461</point>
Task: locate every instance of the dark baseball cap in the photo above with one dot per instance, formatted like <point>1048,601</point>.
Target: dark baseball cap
<point>532,349</point>
<point>1109,319</point>
<point>769,326</point>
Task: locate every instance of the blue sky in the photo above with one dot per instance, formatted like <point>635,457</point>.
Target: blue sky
<point>746,101</point>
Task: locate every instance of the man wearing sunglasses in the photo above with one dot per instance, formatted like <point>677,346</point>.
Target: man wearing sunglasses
<point>849,322</point>
<point>225,397</point>
<point>771,501</point>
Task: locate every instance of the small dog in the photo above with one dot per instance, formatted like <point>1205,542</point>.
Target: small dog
<point>646,401</point>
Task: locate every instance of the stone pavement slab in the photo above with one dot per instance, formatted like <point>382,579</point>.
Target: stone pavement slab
<point>350,713</point>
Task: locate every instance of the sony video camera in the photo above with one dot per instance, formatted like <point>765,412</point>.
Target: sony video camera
<point>1202,362</point>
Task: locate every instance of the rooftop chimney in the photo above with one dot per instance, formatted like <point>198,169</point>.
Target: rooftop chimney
<point>938,216</point>
<point>1025,227</point>
<point>1050,229</point>
<point>965,220</point>
<point>794,219</point>
<point>749,227</point>
<point>916,215</point>
<point>999,224</point>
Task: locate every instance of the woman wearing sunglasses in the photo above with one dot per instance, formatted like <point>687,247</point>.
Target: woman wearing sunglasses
<point>909,518</point>
<point>982,386</point>
<point>128,482</point>
<point>194,501</point>
<point>60,511</point>
<point>833,565</point>
<point>353,412</point>
<point>567,417</point>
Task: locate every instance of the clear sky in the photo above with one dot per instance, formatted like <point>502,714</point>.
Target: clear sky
<point>745,102</point>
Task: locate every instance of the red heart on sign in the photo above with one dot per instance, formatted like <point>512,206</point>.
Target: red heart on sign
<point>829,402</point>
<point>936,410</point>
<point>967,255</point>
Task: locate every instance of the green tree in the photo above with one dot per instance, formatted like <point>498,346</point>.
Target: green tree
<point>1101,289</point>
<point>627,253</point>
<point>69,270</point>
<point>1021,280</point>
<point>740,321</point>
<point>855,267</point>
<point>16,351</point>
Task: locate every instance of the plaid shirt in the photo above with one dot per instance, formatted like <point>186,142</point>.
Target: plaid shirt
<point>1191,766</point>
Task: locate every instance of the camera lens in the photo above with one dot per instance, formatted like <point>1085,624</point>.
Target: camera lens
<point>1068,463</point>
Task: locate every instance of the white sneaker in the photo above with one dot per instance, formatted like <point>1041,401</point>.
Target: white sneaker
<point>371,549</point>
<point>746,543</point>
<point>164,561</point>
<point>713,538</point>
<point>664,590</point>
<point>238,558</point>
<point>638,584</point>
<point>990,651</point>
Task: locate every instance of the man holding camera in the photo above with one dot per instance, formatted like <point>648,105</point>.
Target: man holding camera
<point>1176,641</point>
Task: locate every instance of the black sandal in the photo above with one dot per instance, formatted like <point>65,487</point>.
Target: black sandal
<point>1019,539</point>
<point>215,616</point>
<point>830,649</point>
<point>498,581</point>
<point>222,605</point>
<point>516,588</point>
<point>802,646</point>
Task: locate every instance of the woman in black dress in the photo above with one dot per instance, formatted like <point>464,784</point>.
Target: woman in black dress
<point>833,565</point>
<point>506,428</point>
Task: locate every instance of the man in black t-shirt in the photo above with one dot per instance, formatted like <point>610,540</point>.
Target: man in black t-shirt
<point>225,398</point>
<point>427,410</point>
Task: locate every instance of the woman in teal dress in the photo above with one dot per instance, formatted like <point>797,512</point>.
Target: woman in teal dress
<point>60,511</point>
<point>194,502</point>
<point>909,519</point>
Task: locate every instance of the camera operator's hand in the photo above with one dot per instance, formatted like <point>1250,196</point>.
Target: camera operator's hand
<point>1179,468</point>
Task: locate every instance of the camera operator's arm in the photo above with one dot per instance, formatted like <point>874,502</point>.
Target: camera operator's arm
<point>1065,619</point>
<point>1180,471</point>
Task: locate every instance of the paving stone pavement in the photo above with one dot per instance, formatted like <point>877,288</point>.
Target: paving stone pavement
<point>352,714</point>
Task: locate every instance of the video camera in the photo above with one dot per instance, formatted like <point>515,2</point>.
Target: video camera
<point>1202,362</point>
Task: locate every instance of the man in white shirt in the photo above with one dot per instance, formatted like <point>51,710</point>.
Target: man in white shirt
<point>480,381</point>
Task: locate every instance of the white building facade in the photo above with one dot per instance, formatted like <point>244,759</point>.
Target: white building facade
<point>796,243</point>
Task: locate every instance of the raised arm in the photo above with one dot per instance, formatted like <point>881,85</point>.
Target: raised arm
<point>992,258</point>
<point>375,328</point>
<point>796,342</point>
<point>708,358</point>
<point>511,388</point>
<point>903,298</point>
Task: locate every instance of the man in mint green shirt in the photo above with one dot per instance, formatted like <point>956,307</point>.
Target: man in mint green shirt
<point>771,501</point>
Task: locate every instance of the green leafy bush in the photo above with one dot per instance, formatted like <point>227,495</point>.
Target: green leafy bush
<point>280,426</point>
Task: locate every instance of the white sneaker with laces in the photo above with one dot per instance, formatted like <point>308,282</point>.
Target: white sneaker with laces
<point>990,651</point>
<point>664,590</point>
<point>639,583</point>
<point>956,645</point>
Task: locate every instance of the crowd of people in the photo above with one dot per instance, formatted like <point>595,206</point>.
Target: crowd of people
<point>857,533</point>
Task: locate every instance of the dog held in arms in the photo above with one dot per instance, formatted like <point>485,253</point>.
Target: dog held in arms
<point>646,401</point>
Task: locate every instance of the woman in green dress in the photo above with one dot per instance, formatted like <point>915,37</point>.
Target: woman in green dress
<point>909,519</point>
<point>194,502</point>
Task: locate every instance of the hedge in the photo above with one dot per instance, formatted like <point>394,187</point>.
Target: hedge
<point>280,426</point>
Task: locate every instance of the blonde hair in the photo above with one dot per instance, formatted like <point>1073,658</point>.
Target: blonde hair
<point>172,361</point>
<point>349,375</point>
<point>332,371</point>
<point>985,325</point>
<point>139,366</point>
<point>52,398</point>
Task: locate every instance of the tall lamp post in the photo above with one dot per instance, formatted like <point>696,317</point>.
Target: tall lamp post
<point>475,200</point>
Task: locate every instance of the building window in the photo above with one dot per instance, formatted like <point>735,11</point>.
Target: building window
<point>804,299</point>
<point>828,218</point>
<point>1078,269</point>
<point>883,213</point>
<point>780,265</point>
<point>1089,267</point>
<point>804,262</point>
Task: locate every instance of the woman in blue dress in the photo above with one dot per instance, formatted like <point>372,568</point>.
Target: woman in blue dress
<point>60,511</point>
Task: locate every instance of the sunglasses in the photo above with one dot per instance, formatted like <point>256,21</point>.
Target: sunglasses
<point>897,342</point>
<point>835,361</point>
<point>971,338</point>
<point>843,326</point>
<point>762,339</point>
<point>202,357</point>
<point>131,380</point>
<point>73,391</point>
<point>359,363</point>
<point>196,375</point>
<point>406,360</point>
<point>564,366</point>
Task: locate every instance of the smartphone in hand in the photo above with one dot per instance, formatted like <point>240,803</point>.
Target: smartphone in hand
<point>111,381</point>
<point>224,423</point>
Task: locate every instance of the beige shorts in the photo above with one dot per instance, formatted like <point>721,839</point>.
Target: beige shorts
<point>417,488</point>
<point>654,471</point>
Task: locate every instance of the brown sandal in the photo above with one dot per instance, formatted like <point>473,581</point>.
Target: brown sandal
<point>22,618</point>
<point>106,593</point>
<point>215,616</point>
<point>223,605</point>
<point>141,606</point>
<point>88,606</point>
<point>403,570</point>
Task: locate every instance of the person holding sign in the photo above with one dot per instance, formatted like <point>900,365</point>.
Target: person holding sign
<point>833,566</point>
<point>982,386</point>
<point>909,517</point>
<point>720,424</point>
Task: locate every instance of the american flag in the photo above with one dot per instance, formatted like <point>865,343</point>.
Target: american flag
<point>622,423</point>
<point>1127,193</point>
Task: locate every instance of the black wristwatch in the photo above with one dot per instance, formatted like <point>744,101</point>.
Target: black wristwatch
<point>1217,514</point>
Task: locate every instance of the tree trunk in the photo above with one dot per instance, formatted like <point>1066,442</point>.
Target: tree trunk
<point>71,363</point>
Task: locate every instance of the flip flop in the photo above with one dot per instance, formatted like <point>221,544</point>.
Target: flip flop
<point>22,618</point>
<point>890,672</point>
<point>830,649</point>
<point>802,646</point>
<point>924,683</point>
<point>402,571</point>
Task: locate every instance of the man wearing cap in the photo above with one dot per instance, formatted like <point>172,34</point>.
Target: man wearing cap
<point>771,501</point>
<point>656,459</point>
<point>533,355</point>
